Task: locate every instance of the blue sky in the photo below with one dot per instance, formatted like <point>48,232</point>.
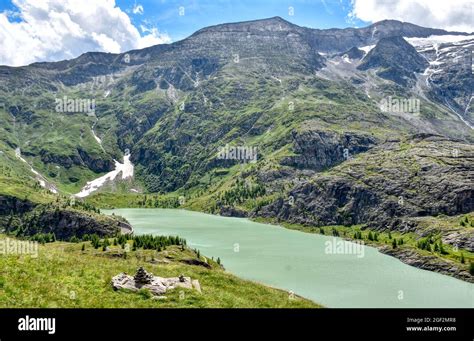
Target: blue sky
<point>198,14</point>
<point>51,30</point>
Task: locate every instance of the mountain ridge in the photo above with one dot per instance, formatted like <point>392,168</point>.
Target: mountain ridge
<point>272,20</point>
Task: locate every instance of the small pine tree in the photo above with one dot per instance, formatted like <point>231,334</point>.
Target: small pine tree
<point>394,244</point>
<point>389,235</point>
<point>218,261</point>
<point>83,247</point>
<point>462,258</point>
<point>471,268</point>
<point>441,248</point>
<point>370,236</point>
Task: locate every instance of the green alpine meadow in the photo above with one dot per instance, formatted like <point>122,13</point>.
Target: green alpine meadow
<point>253,164</point>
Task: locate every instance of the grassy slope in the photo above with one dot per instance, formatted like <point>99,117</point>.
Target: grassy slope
<point>65,276</point>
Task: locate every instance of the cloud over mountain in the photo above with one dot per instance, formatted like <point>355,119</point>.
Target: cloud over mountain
<point>62,29</point>
<point>454,15</point>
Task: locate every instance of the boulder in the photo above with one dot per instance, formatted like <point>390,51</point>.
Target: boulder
<point>156,285</point>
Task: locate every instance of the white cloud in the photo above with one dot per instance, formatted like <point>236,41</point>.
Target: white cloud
<point>52,30</point>
<point>452,15</point>
<point>137,9</point>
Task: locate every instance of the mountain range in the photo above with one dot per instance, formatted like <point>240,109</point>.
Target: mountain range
<point>309,101</point>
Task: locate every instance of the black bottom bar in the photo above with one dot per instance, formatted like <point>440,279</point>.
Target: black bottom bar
<point>405,324</point>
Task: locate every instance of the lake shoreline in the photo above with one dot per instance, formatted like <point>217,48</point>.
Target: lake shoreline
<point>409,256</point>
<point>297,263</point>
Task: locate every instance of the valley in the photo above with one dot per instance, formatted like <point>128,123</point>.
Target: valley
<point>328,156</point>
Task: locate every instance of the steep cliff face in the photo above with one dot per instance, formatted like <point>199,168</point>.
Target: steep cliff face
<point>397,60</point>
<point>25,218</point>
<point>320,150</point>
<point>395,180</point>
<point>14,205</point>
<point>68,223</point>
<point>96,163</point>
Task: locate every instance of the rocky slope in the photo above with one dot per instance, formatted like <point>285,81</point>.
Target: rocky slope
<point>429,262</point>
<point>419,177</point>
<point>398,59</point>
<point>24,218</point>
<point>307,101</point>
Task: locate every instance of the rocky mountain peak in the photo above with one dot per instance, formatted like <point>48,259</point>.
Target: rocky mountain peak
<point>397,59</point>
<point>274,24</point>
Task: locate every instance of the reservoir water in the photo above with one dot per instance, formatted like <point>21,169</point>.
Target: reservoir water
<point>299,262</point>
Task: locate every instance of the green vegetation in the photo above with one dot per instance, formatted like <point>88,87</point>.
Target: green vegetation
<point>77,275</point>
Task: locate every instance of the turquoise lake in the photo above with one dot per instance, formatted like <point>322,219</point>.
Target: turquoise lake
<point>299,262</point>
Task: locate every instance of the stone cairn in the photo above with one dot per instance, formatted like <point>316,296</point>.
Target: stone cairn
<point>142,276</point>
<point>157,285</point>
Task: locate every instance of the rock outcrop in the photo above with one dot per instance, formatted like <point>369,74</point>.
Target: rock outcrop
<point>320,150</point>
<point>397,59</point>
<point>428,262</point>
<point>13,205</point>
<point>158,286</point>
<point>394,182</point>
<point>28,218</point>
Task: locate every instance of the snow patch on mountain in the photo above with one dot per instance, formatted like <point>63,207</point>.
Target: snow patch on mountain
<point>39,177</point>
<point>367,48</point>
<point>124,169</point>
